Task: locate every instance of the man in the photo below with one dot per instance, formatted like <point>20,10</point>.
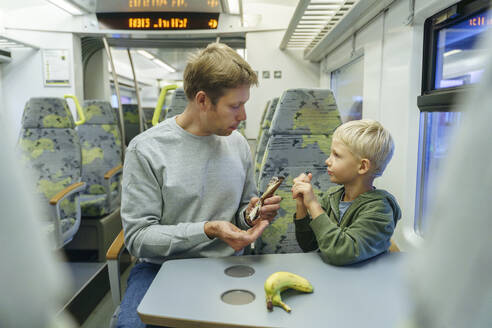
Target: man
<point>188,182</point>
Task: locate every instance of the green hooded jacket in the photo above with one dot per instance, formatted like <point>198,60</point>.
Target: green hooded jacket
<point>364,231</point>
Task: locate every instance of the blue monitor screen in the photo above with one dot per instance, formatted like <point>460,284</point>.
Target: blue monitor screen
<point>459,57</point>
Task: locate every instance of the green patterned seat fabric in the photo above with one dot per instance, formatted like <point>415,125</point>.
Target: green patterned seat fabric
<point>263,136</point>
<point>301,133</point>
<point>132,125</point>
<point>50,147</point>
<point>101,151</point>
<point>241,128</point>
<point>149,114</point>
<point>263,115</point>
<point>178,103</point>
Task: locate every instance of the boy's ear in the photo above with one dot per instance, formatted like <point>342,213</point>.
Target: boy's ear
<point>364,166</point>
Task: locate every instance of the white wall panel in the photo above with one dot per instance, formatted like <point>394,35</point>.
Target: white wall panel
<point>263,54</point>
<point>23,76</point>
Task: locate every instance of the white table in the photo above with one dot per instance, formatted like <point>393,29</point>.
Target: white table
<point>187,293</point>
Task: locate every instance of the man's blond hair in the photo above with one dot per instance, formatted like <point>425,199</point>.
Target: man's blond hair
<point>367,139</point>
<point>214,69</point>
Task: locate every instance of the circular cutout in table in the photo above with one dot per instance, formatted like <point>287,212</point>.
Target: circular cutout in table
<point>237,297</point>
<point>239,271</point>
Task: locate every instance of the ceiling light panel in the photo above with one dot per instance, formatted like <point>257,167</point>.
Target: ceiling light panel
<point>320,16</point>
<point>68,6</point>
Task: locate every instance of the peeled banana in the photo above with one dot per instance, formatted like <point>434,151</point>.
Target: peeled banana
<point>280,281</point>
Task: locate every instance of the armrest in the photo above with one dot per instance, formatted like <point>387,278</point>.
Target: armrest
<point>78,186</point>
<point>393,247</point>
<point>112,257</point>
<point>116,247</point>
<point>113,171</point>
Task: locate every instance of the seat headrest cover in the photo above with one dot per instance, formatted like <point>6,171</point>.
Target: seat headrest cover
<point>179,100</point>
<point>47,113</point>
<point>269,114</point>
<point>130,113</point>
<point>99,112</point>
<point>306,111</point>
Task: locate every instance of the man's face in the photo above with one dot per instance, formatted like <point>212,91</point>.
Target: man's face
<point>225,116</point>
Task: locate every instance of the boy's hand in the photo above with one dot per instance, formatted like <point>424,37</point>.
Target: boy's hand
<point>304,177</point>
<point>302,188</point>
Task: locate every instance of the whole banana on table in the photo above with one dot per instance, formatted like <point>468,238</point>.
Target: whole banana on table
<point>280,281</point>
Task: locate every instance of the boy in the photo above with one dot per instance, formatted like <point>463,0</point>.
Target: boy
<point>353,221</point>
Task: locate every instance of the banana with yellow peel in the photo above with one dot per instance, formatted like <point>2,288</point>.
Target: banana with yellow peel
<point>280,281</point>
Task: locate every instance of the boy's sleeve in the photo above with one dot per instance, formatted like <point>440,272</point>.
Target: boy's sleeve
<point>367,236</point>
<point>304,233</point>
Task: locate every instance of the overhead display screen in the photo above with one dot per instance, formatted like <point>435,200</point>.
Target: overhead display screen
<point>111,6</point>
<point>159,21</point>
<point>460,58</point>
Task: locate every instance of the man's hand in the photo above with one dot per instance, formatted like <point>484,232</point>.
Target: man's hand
<point>269,209</point>
<point>232,235</point>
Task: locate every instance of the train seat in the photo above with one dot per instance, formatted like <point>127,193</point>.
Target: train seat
<point>101,171</point>
<point>149,114</point>
<point>241,128</point>
<point>131,119</point>
<point>50,147</point>
<point>301,133</point>
<point>101,159</point>
<point>178,103</point>
<point>264,135</point>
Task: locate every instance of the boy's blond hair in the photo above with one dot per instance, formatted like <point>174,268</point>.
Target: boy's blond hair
<point>214,69</point>
<point>367,139</point>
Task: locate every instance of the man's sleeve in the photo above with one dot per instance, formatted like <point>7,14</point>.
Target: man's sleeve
<point>249,190</point>
<point>141,211</point>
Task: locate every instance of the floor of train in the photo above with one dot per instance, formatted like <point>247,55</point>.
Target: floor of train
<point>100,317</point>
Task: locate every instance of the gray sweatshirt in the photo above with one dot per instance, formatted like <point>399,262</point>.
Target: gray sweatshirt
<point>173,182</point>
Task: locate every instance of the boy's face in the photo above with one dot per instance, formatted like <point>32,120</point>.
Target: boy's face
<point>342,165</point>
<point>225,116</point>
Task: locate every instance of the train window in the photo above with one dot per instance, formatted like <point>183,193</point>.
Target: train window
<point>346,84</point>
<point>452,63</point>
<point>436,130</point>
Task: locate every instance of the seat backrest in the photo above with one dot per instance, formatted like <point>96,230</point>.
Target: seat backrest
<point>178,103</point>
<point>101,147</point>
<point>264,135</point>
<point>263,115</point>
<point>50,147</point>
<point>300,141</point>
<point>131,119</point>
<point>241,128</point>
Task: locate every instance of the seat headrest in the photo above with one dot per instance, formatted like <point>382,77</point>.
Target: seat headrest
<point>47,113</point>
<point>179,99</point>
<point>130,113</point>
<point>306,111</point>
<point>269,114</point>
<point>98,112</point>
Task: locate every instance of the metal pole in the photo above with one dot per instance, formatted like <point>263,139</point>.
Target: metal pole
<point>117,88</point>
<point>141,116</point>
<point>241,13</point>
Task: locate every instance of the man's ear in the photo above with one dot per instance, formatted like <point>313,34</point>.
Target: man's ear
<point>202,100</point>
<point>364,166</point>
